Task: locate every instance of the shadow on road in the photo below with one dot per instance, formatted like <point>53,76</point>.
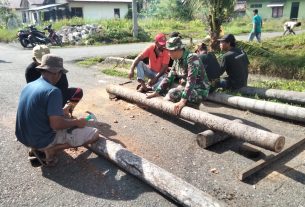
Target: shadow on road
<point>94,177</point>
<point>3,61</point>
<point>281,167</point>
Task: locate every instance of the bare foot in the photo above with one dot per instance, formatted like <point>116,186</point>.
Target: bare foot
<point>155,94</point>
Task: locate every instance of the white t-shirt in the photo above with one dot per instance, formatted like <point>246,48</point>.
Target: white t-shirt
<point>290,24</point>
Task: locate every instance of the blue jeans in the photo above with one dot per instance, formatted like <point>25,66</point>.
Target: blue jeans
<point>144,71</point>
<point>255,34</point>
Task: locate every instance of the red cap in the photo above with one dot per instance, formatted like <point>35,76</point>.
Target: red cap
<point>161,39</point>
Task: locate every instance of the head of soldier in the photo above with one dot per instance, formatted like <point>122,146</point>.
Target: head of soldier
<point>39,51</point>
<point>175,47</point>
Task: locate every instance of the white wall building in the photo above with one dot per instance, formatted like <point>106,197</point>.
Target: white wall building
<point>99,9</point>
<point>35,11</point>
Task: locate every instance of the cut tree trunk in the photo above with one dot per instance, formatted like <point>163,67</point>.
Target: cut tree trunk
<point>208,137</point>
<point>168,184</point>
<point>265,107</point>
<point>249,134</point>
<point>283,95</point>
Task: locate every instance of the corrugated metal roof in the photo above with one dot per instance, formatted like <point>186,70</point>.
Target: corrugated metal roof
<point>14,4</point>
<point>109,1</point>
<point>36,2</point>
<point>45,7</point>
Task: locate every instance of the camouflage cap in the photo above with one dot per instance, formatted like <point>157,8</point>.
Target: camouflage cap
<point>174,43</point>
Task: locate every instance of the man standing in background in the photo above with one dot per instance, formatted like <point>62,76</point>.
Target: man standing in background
<point>257,26</point>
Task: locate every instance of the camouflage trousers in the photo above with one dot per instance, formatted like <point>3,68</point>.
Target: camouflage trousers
<point>197,95</point>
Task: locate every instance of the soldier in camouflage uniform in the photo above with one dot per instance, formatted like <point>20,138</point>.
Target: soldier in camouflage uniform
<point>189,71</point>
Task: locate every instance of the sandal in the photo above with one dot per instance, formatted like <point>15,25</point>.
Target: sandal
<point>142,90</point>
<point>37,158</point>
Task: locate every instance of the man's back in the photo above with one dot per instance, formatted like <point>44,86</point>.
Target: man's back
<point>257,20</point>
<point>38,100</point>
<point>235,63</point>
<point>211,64</point>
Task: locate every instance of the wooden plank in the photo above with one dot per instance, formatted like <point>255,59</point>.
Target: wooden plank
<point>259,165</point>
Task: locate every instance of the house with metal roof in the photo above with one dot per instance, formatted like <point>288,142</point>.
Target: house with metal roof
<point>287,9</point>
<point>35,11</point>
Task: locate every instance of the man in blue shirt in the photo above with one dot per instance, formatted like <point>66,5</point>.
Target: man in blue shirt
<point>40,123</point>
<point>257,26</point>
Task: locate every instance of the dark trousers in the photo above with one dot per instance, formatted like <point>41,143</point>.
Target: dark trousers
<point>72,95</point>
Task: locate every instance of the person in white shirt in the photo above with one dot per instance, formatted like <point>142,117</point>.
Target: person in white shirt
<point>288,27</point>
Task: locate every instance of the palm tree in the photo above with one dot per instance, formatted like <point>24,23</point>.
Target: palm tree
<point>218,11</point>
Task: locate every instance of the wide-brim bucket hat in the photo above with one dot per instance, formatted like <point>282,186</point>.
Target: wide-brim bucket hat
<point>52,63</point>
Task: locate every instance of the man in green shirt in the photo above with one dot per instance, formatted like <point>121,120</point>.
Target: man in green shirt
<point>257,26</point>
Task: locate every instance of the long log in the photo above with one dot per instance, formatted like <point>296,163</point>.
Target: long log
<point>283,95</point>
<point>168,184</point>
<point>249,134</point>
<point>266,107</point>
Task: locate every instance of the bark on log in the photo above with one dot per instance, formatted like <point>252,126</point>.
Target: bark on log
<point>118,60</point>
<point>208,137</point>
<point>249,134</point>
<point>283,95</point>
<point>160,179</point>
<point>275,109</point>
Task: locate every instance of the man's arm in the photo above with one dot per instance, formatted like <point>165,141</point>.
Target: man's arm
<point>152,81</point>
<point>164,68</point>
<point>133,65</point>
<point>59,122</point>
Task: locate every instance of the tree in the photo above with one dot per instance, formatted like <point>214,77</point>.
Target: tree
<point>217,11</point>
<point>167,9</point>
<point>5,13</point>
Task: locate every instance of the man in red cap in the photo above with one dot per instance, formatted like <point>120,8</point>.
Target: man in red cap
<point>158,64</point>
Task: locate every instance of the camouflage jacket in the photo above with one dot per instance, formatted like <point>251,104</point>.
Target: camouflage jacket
<point>190,69</point>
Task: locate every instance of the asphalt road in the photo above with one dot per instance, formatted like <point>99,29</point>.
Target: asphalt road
<point>83,179</point>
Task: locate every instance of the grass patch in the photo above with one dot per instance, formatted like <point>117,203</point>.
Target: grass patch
<point>280,57</point>
<point>115,72</point>
<point>244,25</point>
<point>291,85</point>
<point>90,61</point>
<point>8,35</point>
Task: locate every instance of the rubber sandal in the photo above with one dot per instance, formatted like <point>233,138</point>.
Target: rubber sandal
<point>37,158</point>
<point>142,90</point>
<point>138,86</point>
<point>34,162</point>
<point>40,153</point>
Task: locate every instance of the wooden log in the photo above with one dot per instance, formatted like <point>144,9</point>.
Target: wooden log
<point>209,137</point>
<point>265,107</point>
<point>249,134</point>
<point>118,60</point>
<point>283,95</point>
<point>259,165</point>
<point>168,184</point>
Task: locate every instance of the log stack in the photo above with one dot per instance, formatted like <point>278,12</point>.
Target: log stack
<point>258,137</point>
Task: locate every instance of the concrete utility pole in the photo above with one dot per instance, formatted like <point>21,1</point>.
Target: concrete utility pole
<point>135,19</point>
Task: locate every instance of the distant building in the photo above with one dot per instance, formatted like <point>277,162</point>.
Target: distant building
<point>288,9</point>
<point>99,9</point>
<point>35,11</point>
<point>240,8</point>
